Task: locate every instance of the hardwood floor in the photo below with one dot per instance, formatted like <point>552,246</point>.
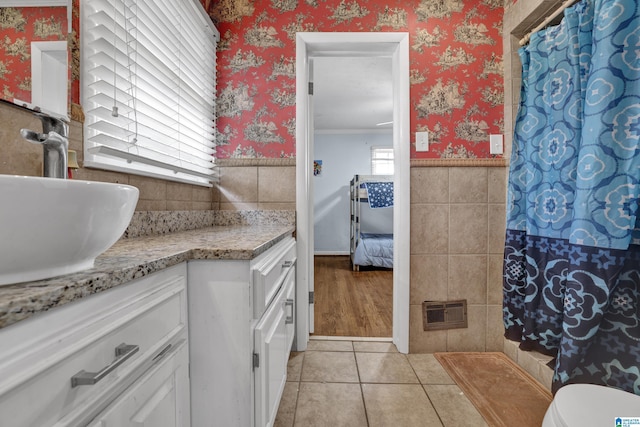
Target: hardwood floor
<point>352,303</point>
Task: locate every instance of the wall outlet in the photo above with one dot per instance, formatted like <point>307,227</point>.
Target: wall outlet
<point>495,144</point>
<point>422,141</point>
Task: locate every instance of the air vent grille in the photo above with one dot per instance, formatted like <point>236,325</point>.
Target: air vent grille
<point>438,315</point>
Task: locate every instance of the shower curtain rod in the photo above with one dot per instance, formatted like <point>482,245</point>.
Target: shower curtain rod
<point>546,22</point>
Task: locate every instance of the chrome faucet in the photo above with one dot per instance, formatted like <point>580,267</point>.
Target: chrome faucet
<point>55,143</point>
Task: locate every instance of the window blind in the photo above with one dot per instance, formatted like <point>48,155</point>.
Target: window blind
<point>148,82</point>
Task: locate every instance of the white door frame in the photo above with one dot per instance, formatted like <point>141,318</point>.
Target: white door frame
<point>49,77</point>
<point>396,46</point>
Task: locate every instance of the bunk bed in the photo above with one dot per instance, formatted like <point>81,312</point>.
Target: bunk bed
<point>371,244</point>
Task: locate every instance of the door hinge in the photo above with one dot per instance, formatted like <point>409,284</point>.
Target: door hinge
<point>256,360</point>
<point>310,88</point>
<point>311,296</point>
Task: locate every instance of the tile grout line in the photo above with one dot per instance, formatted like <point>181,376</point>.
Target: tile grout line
<point>299,385</point>
<point>295,408</point>
<point>422,386</point>
<point>364,403</point>
<point>424,390</point>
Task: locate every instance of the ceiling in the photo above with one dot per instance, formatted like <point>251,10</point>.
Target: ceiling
<point>352,93</point>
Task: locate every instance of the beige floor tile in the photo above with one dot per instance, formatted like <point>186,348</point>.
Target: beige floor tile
<point>428,369</point>
<point>374,347</point>
<point>294,365</point>
<point>398,405</point>
<point>453,407</point>
<point>329,366</point>
<point>385,368</point>
<point>330,405</point>
<point>287,408</point>
<point>326,345</point>
<point>395,389</point>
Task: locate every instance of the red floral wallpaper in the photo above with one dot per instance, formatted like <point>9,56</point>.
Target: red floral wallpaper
<point>74,49</point>
<point>456,69</point>
<point>19,26</point>
<point>509,3</point>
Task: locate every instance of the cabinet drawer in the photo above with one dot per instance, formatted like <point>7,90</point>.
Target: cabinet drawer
<point>82,336</point>
<point>160,398</point>
<point>269,272</point>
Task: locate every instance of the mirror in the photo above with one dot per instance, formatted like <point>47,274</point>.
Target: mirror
<point>34,59</point>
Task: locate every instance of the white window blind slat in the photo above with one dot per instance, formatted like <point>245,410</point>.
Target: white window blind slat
<point>144,157</point>
<point>101,45</point>
<point>101,99</point>
<point>155,152</point>
<point>119,78</point>
<point>112,129</point>
<point>150,133</point>
<point>155,62</point>
<point>104,114</point>
<point>175,47</point>
<point>198,16</point>
<point>123,75</point>
<point>102,86</point>
<point>106,140</point>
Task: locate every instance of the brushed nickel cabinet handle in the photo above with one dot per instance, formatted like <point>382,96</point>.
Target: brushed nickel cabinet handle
<point>289,319</point>
<point>162,352</point>
<point>123,352</point>
<point>287,264</point>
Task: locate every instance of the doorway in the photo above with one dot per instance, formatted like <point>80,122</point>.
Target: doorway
<point>353,149</point>
<point>396,47</point>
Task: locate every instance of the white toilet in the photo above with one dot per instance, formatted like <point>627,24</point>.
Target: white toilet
<point>588,405</point>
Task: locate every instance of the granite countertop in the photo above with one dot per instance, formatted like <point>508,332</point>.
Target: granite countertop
<point>133,258</point>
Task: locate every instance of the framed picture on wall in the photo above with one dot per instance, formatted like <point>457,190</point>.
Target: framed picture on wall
<point>317,167</point>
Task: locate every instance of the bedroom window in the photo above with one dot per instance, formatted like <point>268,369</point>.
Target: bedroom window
<point>381,161</point>
<point>148,88</point>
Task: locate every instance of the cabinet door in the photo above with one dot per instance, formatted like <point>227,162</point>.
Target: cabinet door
<point>272,351</point>
<point>160,398</point>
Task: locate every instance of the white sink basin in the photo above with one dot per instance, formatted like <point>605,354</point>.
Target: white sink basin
<point>50,227</point>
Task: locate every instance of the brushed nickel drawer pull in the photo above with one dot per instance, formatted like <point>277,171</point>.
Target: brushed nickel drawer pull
<point>123,352</point>
<point>163,352</point>
<point>287,264</point>
<point>289,319</point>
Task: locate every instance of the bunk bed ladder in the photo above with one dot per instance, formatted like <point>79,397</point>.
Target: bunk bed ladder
<point>355,217</point>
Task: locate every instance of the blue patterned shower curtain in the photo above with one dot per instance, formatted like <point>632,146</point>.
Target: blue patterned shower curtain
<point>572,251</point>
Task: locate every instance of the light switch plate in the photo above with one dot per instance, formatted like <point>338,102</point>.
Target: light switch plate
<point>495,144</point>
<point>422,141</point>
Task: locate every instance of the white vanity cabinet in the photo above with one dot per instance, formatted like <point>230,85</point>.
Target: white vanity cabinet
<point>116,358</point>
<point>241,326</point>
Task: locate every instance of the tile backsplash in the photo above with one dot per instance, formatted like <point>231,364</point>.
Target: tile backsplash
<point>18,157</point>
<point>265,185</point>
<point>268,184</point>
<point>457,242</point>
